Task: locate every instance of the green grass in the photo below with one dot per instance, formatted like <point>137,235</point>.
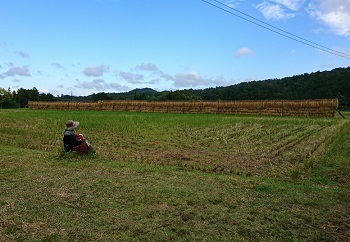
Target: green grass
<point>47,196</point>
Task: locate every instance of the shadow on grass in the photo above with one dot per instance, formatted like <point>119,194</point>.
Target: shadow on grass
<point>74,156</point>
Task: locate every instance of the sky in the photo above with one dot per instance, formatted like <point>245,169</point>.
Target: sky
<point>82,47</point>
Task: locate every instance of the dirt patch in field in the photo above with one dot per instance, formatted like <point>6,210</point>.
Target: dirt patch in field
<point>222,162</point>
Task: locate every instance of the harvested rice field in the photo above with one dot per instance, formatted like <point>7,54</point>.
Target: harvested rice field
<point>249,145</point>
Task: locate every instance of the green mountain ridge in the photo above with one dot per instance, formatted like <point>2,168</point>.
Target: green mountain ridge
<point>317,85</point>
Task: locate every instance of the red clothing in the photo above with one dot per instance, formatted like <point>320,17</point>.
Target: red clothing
<point>83,148</point>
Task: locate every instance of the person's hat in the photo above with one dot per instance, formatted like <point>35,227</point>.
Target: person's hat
<point>70,124</point>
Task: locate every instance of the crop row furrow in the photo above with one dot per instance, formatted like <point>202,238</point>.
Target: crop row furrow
<point>300,139</point>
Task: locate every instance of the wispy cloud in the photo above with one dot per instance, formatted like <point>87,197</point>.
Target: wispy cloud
<point>56,65</point>
<point>188,79</point>
<point>232,3</point>
<point>138,76</point>
<point>147,67</point>
<point>95,71</point>
<point>17,71</point>
<point>132,78</point>
<point>193,79</point>
<point>274,11</point>
<point>101,85</point>
<point>291,4</point>
<point>98,84</point>
<point>118,87</point>
<point>23,54</point>
<point>333,13</point>
<point>243,52</point>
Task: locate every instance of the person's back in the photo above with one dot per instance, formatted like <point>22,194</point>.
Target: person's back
<point>70,140</point>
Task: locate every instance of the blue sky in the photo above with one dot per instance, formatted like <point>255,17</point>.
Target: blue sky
<point>90,46</point>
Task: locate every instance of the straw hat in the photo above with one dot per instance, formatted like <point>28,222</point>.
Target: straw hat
<point>70,124</point>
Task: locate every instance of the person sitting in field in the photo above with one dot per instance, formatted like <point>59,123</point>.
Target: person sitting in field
<point>75,142</point>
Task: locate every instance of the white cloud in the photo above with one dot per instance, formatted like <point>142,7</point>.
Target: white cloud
<point>189,79</point>
<point>243,52</point>
<point>167,77</point>
<point>118,87</point>
<point>17,71</point>
<point>98,84</point>
<point>232,3</point>
<point>23,54</point>
<point>333,13</point>
<point>56,65</point>
<point>95,70</point>
<point>273,11</point>
<point>147,67</point>
<point>101,85</point>
<point>193,79</point>
<point>131,77</point>
<point>192,76</point>
<point>291,4</point>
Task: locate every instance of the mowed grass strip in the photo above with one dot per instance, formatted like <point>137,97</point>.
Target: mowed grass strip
<point>266,146</point>
<point>44,197</point>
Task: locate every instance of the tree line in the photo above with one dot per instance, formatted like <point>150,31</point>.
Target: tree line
<point>317,85</point>
<point>20,98</point>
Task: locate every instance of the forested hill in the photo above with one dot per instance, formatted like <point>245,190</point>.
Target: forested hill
<point>318,85</point>
<point>326,84</point>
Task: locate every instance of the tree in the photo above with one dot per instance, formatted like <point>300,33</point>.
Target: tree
<point>100,96</point>
<point>24,95</point>
<point>21,97</point>
<point>6,99</point>
<point>46,97</point>
<point>33,94</point>
<point>179,95</point>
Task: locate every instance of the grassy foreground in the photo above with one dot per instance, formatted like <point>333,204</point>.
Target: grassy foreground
<point>48,197</point>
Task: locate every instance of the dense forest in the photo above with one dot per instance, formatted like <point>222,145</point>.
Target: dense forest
<point>318,85</point>
<point>327,84</point>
